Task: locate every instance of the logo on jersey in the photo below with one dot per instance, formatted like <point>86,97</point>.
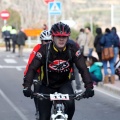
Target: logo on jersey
<point>78,53</point>
<point>34,52</point>
<point>59,65</point>
<point>39,55</point>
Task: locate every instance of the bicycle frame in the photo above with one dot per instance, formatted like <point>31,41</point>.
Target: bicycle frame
<point>58,106</point>
<point>57,113</point>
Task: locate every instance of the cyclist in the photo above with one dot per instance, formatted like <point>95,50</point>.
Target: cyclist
<point>56,61</point>
<point>45,37</point>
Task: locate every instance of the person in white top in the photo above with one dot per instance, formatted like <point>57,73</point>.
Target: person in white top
<point>83,42</point>
<point>90,38</point>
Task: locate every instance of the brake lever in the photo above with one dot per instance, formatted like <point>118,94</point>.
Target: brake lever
<point>79,96</point>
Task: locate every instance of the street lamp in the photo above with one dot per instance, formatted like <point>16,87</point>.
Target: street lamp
<point>112,15</point>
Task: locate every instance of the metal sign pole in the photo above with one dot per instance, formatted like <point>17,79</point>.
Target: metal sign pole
<point>112,15</point>
<point>49,18</point>
<point>91,24</point>
<point>55,18</point>
<point>5,22</point>
<point>49,21</point>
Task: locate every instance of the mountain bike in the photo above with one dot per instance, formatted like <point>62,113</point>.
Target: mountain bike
<point>58,112</point>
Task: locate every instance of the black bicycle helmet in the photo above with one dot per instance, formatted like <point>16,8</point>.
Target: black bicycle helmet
<point>60,29</point>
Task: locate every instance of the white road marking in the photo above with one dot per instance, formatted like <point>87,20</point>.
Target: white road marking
<point>13,106</point>
<point>10,61</point>
<point>26,60</point>
<point>108,94</point>
<point>16,67</point>
<point>10,56</point>
<point>20,68</point>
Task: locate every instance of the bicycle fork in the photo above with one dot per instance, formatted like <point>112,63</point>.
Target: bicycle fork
<point>59,114</point>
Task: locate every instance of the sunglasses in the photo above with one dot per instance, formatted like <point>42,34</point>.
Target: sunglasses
<point>46,40</point>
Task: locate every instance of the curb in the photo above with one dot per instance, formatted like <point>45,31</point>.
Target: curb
<point>109,88</point>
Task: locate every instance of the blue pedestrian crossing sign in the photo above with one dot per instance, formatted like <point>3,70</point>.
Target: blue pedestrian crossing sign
<point>54,8</point>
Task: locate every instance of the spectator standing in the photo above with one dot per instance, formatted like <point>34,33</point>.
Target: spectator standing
<point>116,43</point>
<point>90,38</point>
<point>107,41</point>
<point>83,42</point>
<point>97,42</point>
<point>14,38</point>
<point>6,35</point>
<point>3,29</point>
<point>21,37</point>
<point>45,27</point>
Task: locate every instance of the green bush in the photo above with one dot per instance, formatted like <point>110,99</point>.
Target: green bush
<point>14,19</point>
<point>74,34</point>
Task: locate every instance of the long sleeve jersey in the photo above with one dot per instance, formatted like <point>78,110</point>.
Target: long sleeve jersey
<point>31,57</point>
<point>58,67</point>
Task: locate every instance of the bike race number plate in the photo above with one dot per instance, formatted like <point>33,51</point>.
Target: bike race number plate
<point>59,96</point>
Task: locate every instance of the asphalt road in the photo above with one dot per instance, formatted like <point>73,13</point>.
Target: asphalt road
<point>14,106</point>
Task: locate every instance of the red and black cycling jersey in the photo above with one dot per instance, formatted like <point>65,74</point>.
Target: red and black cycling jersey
<point>58,66</point>
<point>31,57</point>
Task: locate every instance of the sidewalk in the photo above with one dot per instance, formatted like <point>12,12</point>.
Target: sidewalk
<point>111,88</point>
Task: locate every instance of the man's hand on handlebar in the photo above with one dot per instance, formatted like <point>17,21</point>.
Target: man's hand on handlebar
<point>27,92</point>
<point>88,93</point>
<point>79,96</point>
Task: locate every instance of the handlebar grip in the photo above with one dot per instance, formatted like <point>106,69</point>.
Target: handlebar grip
<point>35,81</point>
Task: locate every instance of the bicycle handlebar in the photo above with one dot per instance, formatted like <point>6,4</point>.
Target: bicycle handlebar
<point>58,96</point>
<point>76,96</point>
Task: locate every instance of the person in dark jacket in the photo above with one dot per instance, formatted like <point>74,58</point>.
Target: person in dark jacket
<point>97,42</point>
<point>116,42</point>
<point>107,41</point>
<point>7,36</point>
<point>13,33</point>
<point>56,73</point>
<point>21,37</point>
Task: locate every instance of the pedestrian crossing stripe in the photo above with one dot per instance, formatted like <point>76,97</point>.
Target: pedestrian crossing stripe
<point>10,56</point>
<point>19,68</point>
<point>26,60</point>
<point>10,61</point>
